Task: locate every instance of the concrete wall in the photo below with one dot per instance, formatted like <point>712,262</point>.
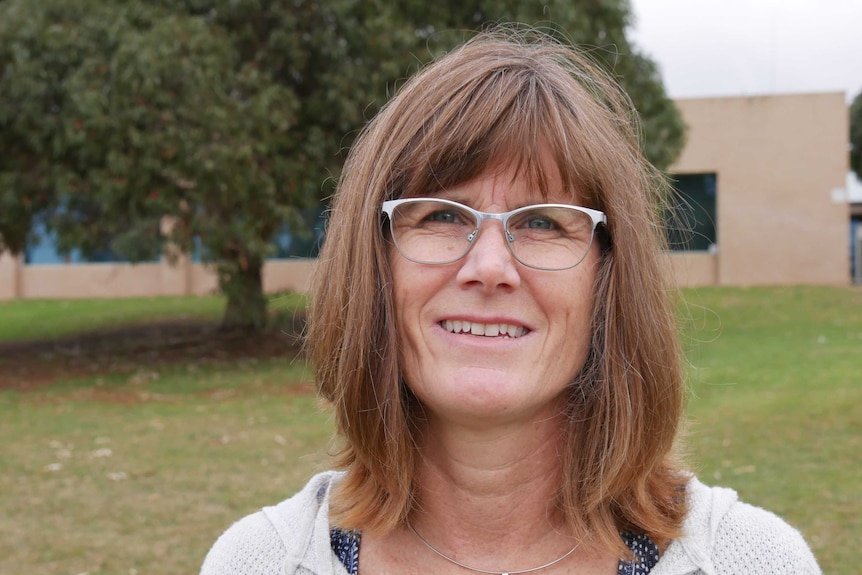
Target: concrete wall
<point>126,280</point>
<point>694,269</point>
<point>779,161</point>
<point>10,277</point>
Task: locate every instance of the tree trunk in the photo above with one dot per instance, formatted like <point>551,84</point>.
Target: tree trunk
<point>246,303</point>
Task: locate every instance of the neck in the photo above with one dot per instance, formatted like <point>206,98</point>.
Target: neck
<point>486,500</point>
<point>494,487</point>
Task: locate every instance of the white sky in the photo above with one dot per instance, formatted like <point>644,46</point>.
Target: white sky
<point>752,47</point>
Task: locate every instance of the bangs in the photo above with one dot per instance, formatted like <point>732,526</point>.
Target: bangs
<point>512,117</point>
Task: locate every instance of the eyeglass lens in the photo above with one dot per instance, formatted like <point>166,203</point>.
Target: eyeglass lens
<point>544,237</point>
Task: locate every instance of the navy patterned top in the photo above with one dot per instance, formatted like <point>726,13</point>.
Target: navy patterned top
<point>345,545</point>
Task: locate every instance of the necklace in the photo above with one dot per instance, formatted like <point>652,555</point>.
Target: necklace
<point>459,564</point>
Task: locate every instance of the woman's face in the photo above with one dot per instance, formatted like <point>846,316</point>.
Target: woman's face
<point>478,380</point>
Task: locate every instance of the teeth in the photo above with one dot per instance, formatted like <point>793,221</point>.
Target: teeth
<point>481,329</point>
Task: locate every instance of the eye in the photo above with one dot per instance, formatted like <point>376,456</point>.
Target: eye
<point>539,222</point>
<point>443,217</point>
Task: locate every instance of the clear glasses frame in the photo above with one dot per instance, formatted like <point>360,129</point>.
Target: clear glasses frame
<point>596,217</point>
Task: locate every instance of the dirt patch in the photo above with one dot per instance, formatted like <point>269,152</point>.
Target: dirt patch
<point>131,348</point>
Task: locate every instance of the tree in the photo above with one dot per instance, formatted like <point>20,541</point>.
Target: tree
<point>219,116</point>
<point>225,118</point>
<point>142,115</point>
<point>856,135</point>
<point>597,26</point>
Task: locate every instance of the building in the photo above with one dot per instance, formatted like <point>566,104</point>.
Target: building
<point>762,201</point>
<point>772,173</point>
<point>854,197</point>
<point>856,241</point>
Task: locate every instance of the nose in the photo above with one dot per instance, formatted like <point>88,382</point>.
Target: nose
<point>490,263</point>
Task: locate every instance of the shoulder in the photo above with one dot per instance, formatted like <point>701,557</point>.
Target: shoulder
<point>722,534</point>
<point>761,542</point>
<point>276,539</point>
<point>251,546</point>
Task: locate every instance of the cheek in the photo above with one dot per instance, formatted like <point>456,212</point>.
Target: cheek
<point>414,287</point>
<point>401,293</point>
<point>410,290</point>
<point>412,351</point>
<point>579,301</point>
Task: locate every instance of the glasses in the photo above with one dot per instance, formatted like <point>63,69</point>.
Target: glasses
<point>543,236</point>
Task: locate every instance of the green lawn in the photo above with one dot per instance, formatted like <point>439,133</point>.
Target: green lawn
<point>776,378</point>
<point>22,320</point>
<point>122,473</point>
<point>35,319</point>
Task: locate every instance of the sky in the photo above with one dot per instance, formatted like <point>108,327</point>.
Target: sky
<point>754,47</point>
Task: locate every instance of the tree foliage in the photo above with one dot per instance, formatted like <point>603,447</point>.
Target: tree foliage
<point>856,135</point>
<point>595,26</point>
<point>225,118</point>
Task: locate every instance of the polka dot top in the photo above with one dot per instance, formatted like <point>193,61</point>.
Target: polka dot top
<point>345,545</point>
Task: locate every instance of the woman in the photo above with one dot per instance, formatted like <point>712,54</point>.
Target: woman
<point>492,327</point>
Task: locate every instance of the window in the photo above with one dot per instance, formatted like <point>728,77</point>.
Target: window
<point>305,244</point>
<point>42,249</point>
<point>856,249</point>
<point>287,244</point>
<point>691,219</point>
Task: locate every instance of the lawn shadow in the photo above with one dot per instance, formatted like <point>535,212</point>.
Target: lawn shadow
<point>29,364</point>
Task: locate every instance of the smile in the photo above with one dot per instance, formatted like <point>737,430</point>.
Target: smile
<point>483,329</point>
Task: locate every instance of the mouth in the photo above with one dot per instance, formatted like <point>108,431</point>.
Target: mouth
<point>483,329</point>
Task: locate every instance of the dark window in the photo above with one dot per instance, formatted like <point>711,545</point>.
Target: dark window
<point>304,244</point>
<point>856,249</point>
<point>692,218</point>
<point>41,248</point>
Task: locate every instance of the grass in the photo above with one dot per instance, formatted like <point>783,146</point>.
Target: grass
<point>125,476</point>
<point>776,380</point>
<point>35,319</point>
<point>119,473</point>
<point>22,320</point>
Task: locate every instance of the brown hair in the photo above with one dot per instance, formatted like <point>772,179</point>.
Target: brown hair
<point>505,95</point>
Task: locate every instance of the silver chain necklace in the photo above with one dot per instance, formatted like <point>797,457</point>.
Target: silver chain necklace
<point>459,564</point>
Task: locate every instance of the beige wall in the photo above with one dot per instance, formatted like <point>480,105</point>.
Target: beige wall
<point>127,280</point>
<point>694,269</point>
<point>778,160</point>
<point>10,277</point>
